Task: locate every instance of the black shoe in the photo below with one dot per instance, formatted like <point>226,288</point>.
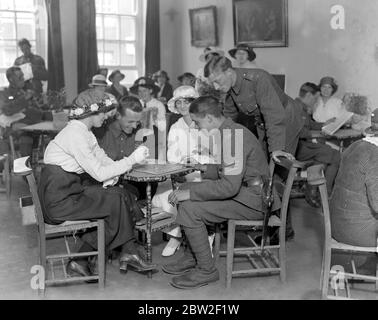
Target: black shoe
<point>195,279</point>
<point>75,269</point>
<point>181,266</point>
<point>135,262</point>
<point>93,265</point>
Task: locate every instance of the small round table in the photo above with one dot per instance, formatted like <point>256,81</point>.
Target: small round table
<point>145,173</point>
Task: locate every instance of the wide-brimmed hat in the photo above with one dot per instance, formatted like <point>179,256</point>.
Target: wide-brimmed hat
<point>246,48</point>
<point>329,80</point>
<point>98,81</point>
<point>210,50</point>
<point>114,73</point>
<point>146,83</point>
<point>183,92</point>
<point>86,105</point>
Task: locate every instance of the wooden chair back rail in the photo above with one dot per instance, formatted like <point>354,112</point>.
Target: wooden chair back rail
<point>316,178</point>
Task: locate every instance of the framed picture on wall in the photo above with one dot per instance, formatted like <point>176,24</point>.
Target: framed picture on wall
<point>203,26</point>
<point>261,23</point>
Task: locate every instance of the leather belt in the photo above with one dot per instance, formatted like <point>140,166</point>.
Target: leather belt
<point>253,182</point>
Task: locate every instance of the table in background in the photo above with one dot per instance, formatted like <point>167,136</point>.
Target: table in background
<point>148,179</point>
<point>341,135</point>
<point>42,129</point>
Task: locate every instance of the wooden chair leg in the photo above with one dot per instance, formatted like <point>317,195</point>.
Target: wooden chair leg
<point>230,252</point>
<point>7,177</point>
<point>42,260</point>
<point>101,253</point>
<point>217,240</point>
<point>282,253</point>
<point>322,270</point>
<point>326,271</point>
<point>376,281</point>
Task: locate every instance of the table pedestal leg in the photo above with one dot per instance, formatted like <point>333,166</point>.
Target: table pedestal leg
<point>149,226</point>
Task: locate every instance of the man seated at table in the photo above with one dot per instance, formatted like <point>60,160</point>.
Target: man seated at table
<point>118,138</point>
<point>20,107</point>
<point>232,190</point>
<point>311,151</point>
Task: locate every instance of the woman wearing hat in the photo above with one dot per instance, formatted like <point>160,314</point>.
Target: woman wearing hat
<point>154,111</point>
<point>182,145</point>
<point>202,82</point>
<point>166,91</point>
<point>244,56</point>
<point>328,106</point>
<point>117,89</point>
<point>354,201</point>
<point>73,159</point>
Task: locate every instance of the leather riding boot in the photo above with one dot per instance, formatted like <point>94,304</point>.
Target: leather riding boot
<point>205,271</point>
<point>186,263</point>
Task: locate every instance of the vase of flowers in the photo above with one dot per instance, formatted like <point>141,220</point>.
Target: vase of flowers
<point>56,102</point>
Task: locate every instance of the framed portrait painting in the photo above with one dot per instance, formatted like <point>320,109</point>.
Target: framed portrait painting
<point>261,23</point>
<point>203,26</point>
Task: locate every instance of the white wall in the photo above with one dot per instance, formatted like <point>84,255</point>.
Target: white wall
<point>315,49</point>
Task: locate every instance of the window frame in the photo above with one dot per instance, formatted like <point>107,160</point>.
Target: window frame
<point>39,43</point>
<point>138,42</point>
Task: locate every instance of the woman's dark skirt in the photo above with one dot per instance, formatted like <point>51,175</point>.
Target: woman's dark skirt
<point>68,196</point>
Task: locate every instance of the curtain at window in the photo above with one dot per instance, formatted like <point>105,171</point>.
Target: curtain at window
<point>55,51</point>
<point>152,53</point>
<point>86,42</point>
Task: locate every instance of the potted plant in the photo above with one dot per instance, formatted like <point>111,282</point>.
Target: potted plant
<point>56,102</point>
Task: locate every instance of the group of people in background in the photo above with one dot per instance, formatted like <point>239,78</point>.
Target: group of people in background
<point>84,164</point>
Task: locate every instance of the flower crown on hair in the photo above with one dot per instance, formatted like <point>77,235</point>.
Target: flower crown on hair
<point>78,111</point>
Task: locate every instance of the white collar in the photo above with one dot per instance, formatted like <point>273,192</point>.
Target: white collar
<point>372,140</point>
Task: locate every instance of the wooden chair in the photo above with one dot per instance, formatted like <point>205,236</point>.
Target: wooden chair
<point>5,175</point>
<point>316,178</point>
<point>262,259</point>
<point>46,231</point>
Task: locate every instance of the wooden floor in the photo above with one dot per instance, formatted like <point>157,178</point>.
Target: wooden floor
<point>18,253</point>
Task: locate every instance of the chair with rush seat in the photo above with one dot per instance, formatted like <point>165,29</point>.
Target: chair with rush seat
<point>337,278</point>
<point>262,258</point>
<point>46,231</point>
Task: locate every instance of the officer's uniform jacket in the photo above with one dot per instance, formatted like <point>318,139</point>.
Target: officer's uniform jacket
<point>235,182</point>
<point>256,93</point>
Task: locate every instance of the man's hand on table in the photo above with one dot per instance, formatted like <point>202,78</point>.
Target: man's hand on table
<point>193,163</point>
<point>178,196</point>
<point>139,155</point>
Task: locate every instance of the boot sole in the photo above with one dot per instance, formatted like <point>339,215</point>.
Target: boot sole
<point>136,269</point>
<point>178,273</point>
<point>188,288</point>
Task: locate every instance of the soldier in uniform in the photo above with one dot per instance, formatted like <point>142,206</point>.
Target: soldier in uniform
<point>37,64</point>
<point>255,100</point>
<point>234,192</point>
<point>15,99</point>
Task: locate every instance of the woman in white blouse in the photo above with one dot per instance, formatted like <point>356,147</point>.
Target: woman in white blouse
<point>328,106</point>
<point>73,161</point>
<point>185,143</point>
